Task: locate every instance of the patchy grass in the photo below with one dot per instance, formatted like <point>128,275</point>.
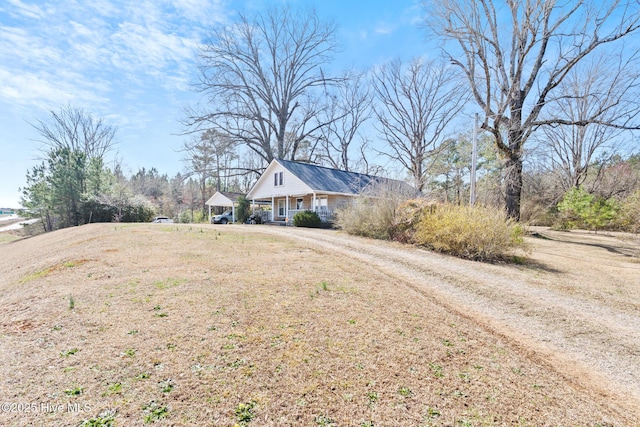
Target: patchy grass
<point>245,344</point>
<point>8,237</point>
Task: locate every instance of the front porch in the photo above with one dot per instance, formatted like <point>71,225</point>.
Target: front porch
<point>284,208</point>
<point>324,213</point>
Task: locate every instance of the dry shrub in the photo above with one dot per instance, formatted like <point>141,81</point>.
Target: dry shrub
<point>629,216</point>
<point>472,232</point>
<point>535,212</point>
<point>368,217</point>
<point>374,212</point>
<point>407,217</point>
<point>477,233</point>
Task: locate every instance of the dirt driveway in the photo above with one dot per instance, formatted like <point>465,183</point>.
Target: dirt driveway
<point>575,305</point>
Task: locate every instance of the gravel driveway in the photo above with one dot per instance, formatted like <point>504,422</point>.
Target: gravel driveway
<point>575,304</point>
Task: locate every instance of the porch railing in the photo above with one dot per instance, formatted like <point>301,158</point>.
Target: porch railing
<point>324,213</point>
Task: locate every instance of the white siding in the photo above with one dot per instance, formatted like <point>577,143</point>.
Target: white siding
<point>265,188</point>
<point>337,202</point>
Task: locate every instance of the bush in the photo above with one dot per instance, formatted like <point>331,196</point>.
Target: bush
<point>477,233</point>
<point>200,217</point>
<point>573,209</point>
<point>374,212</point>
<point>629,216</point>
<point>185,217</point>
<point>471,232</point>
<point>581,209</point>
<point>367,218</point>
<point>408,215</point>
<point>307,219</point>
<point>243,211</point>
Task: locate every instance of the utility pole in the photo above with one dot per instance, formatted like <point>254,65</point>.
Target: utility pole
<point>474,161</point>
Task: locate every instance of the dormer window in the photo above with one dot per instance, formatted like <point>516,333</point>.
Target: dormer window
<point>278,179</point>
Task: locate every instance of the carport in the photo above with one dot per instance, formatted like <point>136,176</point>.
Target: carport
<point>224,199</point>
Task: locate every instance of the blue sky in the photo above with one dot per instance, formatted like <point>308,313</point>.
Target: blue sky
<point>132,63</point>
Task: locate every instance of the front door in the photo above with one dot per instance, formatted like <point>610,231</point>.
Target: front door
<point>281,208</point>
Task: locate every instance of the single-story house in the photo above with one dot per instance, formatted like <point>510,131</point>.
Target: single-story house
<point>224,199</point>
<point>292,187</point>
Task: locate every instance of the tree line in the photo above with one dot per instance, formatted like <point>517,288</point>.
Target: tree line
<point>556,86</point>
<point>74,183</point>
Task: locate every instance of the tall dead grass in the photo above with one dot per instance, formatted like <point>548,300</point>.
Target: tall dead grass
<point>374,212</point>
<point>471,232</point>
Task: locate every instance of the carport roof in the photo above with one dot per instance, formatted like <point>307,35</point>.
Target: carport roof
<point>224,198</point>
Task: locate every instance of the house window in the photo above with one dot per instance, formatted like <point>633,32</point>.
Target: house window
<point>299,204</point>
<point>281,207</point>
<point>278,179</point>
<point>321,203</point>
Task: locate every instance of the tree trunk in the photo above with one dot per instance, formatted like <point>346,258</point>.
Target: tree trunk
<point>513,186</point>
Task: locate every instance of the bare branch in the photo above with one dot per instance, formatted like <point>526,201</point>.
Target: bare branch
<point>515,57</point>
<point>77,130</point>
<point>263,76</point>
<point>414,106</point>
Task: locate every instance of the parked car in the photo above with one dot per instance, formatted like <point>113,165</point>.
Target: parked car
<point>162,219</point>
<point>223,218</point>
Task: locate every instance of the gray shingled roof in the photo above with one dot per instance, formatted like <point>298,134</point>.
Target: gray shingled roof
<point>321,178</point>
<point>231,195</point>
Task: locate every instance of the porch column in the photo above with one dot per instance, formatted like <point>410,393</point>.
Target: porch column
<point>273,207</point>
<point>286,209</point>
<point>314,202</point>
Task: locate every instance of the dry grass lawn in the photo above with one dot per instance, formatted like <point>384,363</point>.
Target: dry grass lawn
<point>223,325</point>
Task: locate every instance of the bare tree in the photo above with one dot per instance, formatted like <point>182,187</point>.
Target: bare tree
<point>350,109</point>
<point>72,173</point>
<point>263,77</point>
<point>76,130</point>
<point>516,53</point>
<point>594,91</point>
<point>615,178</point>
<point>209,158</point>
<point>415,105</point>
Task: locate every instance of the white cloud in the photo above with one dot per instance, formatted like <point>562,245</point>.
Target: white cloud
<point>384,29</point>
<point>47,90</point>
<point>75,47</point>
<point>148,49</point>
<point>20,48</point>
<point>103,8</point>
<point>203,11</point>
<point>27,10</point>
<point>81,30</point>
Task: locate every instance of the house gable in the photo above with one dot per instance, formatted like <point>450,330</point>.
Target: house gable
<point>265,187</point>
